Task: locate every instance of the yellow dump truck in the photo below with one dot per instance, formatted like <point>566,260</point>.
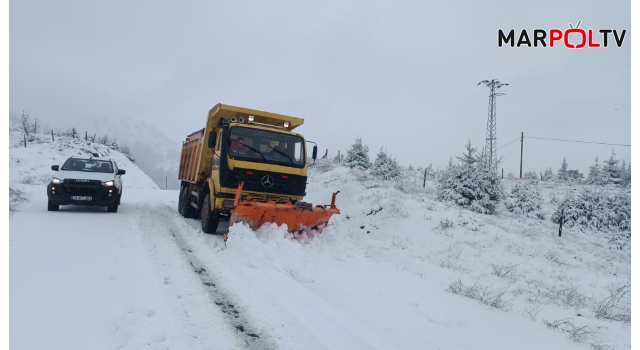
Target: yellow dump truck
<point>248,166</point>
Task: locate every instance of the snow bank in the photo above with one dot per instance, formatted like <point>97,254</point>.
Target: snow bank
<point>400,269</point>
<point>31,165</point>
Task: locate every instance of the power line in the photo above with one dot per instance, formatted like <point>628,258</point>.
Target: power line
<point>518,138</point>
<point>599,143</point>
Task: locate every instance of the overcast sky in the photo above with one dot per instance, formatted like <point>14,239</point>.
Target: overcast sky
<point>402,74</point>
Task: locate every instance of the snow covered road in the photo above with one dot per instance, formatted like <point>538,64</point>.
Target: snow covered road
<point>82,278</point>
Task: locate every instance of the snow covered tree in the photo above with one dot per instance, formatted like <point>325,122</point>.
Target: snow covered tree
<point>548,175</point>
<point>562,172</point>
<point>524,199</point>
<point>386,167</point>
<point>610,171</point>
<point>595,174</point>
<point>530,175</point>
<point>600,210</point>
<point>358,155</point>
<point>468,184</point>
<point>574,176</point>
<point>125,150</point>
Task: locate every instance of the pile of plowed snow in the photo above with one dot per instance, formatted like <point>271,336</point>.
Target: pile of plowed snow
<point>31,165</point>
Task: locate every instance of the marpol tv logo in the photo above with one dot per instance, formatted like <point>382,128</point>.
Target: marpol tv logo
<point>571,38</point>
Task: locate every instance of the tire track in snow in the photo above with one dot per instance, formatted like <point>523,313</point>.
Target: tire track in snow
<point>243,328</point>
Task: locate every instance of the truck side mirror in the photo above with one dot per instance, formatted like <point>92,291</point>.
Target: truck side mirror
<point>121,172</point>
<point>212,139</point>
<point>315,153</point>
<point>55,167</point>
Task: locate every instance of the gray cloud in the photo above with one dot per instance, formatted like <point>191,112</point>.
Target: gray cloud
<point>399,74</point>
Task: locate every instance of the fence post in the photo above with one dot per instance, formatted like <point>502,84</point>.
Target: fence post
<point>25,140</point>
<point>424,184</point>
<point>86,137</point>
<point>561,220</point>
<point>52,138</point>
<point>339,158</point>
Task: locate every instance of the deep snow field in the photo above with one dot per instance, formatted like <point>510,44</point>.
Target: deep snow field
<point>396,269</point>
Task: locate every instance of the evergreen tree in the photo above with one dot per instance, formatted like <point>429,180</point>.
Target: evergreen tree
<point>594,174</point>
<point>358,155</point>
<point>562,172</point>
<point>385,166</point>
<point>548,174</point>
<point>468,184</point>
<point>610,170</point>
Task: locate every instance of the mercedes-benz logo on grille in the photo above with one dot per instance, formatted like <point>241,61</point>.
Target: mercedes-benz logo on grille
<point>267,181</point>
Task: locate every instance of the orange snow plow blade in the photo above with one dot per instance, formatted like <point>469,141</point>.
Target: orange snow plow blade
<point>297,217</point>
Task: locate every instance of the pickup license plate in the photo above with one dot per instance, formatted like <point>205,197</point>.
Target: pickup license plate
<point>81,198</point>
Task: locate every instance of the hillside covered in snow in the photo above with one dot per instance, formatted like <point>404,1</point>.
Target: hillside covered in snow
<point>399,268</point>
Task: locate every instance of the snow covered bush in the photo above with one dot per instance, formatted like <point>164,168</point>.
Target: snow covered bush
<point>524,199</point>
<point>606,210</point>
<point>386,167</point>
<point>468,185</point>
<point>358,155</point>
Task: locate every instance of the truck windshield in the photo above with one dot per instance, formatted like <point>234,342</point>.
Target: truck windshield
<point>266,146</point>
<point>90,165</point>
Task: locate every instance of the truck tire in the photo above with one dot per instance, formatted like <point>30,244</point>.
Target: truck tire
<point>209,218</point>
<point>52,206</point>
<point>184,203</point>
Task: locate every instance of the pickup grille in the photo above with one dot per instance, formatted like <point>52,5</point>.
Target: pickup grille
<point>92,187</point>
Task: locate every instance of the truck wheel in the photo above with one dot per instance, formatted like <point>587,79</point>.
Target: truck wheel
<point>119,196</point>
<point>52,206</point>
<point>113,208</point>
<point>184,203</point>
<point>209,218</point>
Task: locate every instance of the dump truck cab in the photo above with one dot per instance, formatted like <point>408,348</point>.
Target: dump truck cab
<point>256,150</point>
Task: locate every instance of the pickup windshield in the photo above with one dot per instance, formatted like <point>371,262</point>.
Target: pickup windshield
<point>265,146</point>
<point>89,165</point>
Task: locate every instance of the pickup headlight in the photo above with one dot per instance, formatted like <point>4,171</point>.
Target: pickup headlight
<point>108,183</point>
<point>56,181</point>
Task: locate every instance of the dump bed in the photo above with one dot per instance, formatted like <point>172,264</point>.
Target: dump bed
<point>190,157</point>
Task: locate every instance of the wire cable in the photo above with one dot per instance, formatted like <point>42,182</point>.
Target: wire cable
<point>508,143</point>
<point>599,143</point>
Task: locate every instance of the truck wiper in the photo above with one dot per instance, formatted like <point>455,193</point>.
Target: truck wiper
<point>253,149</point>
<point>284,154</point>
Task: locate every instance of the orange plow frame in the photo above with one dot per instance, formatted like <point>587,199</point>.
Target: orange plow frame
<point>257,213</point>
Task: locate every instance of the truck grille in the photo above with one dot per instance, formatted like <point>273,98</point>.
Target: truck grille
<point>263,181</point>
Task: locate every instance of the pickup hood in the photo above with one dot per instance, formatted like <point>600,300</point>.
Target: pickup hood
<point>67,174</point>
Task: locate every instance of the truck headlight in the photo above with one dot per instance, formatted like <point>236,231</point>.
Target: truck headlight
<point>108,183</point>
<point>56,181</point>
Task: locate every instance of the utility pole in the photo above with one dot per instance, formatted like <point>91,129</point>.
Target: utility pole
<point>521,148</point>
<point>491,159</point>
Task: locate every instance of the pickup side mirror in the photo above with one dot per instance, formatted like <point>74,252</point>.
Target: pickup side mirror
<point>212,139</point>
<point>315,153</point>
<point>121,172</point>
<point>55,167</point>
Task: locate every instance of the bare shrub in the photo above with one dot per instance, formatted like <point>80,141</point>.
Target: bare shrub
<point>567,296</point>
<point>576,333</point>
<point>450,258</point>
<point>16,196</point>
<point>531,312</point>
<point>617,306</point>
<point>446,224</point>
<point>504,271</point>
<point>495,298</point>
